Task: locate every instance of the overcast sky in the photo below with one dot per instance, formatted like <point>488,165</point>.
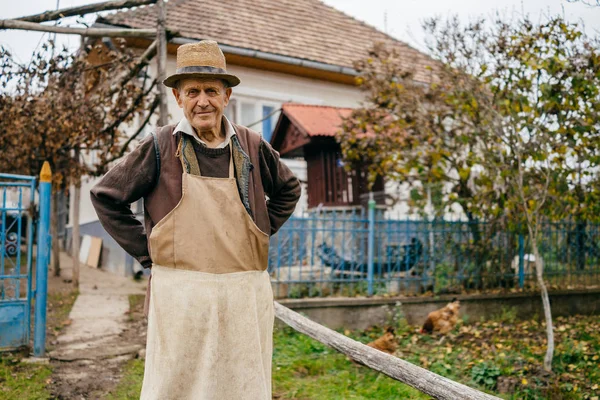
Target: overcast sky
<point>400,18</point>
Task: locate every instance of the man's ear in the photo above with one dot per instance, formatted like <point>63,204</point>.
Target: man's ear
<point>228,92</point>
<point>177,97</point>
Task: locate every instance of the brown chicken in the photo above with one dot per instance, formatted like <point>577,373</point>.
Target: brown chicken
<point>386,342</point>
<point>442,320</point>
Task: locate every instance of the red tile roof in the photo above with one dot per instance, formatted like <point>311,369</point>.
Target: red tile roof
<point>316,120</point>
<point>303,29</point>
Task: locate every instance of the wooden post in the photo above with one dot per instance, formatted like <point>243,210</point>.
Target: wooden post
<point>42,259</point>
<point>161,38</point>
<point>54,230</point>
<point>75,249</point>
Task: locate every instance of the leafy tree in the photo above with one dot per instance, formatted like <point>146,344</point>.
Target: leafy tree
<point>71,110</point>
<point>508,124</point>
<point>57,104</point>
<point>431,135</point>
<point>545,79</point>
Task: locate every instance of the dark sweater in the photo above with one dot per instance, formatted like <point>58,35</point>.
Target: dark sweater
<point>257,165</point>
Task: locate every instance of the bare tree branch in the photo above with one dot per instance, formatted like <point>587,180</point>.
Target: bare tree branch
<point>144,60</point>
<point>153,106</point>
<point>591,3</point>
<point>82,10</point>
<point>114,124</point>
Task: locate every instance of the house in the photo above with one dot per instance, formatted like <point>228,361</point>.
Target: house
<point>308,132</point>
<point>284,51</point>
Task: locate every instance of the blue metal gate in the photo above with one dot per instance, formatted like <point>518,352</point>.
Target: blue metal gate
<point>17,206</point>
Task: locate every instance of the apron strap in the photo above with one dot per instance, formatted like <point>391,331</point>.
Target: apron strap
<point>189,161</point>
<point>231,170</point>
<point>187,156</point>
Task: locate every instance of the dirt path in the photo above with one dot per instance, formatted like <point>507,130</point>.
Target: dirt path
<point>99,336</point>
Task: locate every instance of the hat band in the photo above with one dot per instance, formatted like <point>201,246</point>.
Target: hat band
<point>200,69</point>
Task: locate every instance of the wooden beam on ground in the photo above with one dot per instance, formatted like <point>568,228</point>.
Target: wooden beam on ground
<point>91,32</point>
<point>87,9</point>
<point>161,58</point>
<point>421,379</point>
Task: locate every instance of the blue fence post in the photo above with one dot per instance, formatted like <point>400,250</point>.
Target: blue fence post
<point>371,244</point>
<point>521,260</point>
<point>43,256</point>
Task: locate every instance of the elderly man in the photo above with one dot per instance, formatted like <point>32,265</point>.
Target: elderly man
<point>204,183</point>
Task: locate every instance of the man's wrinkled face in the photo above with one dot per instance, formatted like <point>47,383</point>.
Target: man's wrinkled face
<point>203,102</point>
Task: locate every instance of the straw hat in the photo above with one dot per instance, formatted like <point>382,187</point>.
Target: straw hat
<point>201,60</point>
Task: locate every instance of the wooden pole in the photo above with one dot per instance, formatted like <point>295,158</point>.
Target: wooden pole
<point>92,32</point>
<point>54,231</point>
<point>421,379</point>
<point>76,240</point>
<point>75,237</point>
<point>161,38</point>
<point>82,10</point>
<point>41,264</point>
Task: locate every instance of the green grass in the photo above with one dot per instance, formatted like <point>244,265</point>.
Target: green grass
<point>136,302</point>
<point>306,369</point>
<point>130,385</point>
<point>59,307</point>
<point>136,306</point>
<point>502,356</point>
<point>20,381</point>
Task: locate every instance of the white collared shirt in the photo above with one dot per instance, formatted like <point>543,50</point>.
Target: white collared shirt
<point>185,127</point>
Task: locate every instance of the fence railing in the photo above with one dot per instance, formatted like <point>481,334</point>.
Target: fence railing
<point>353,252</point>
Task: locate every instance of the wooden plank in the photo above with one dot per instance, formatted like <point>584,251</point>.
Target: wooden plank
<point>93,259</point>
<point>421,379</point>
<point>82,249</point>
<point>76,249</point>
<point>91,32</point>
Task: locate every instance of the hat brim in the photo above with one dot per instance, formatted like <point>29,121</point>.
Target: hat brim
<point>171,81</point>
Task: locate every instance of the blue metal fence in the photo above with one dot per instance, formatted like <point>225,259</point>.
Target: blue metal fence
<point>354,252</point>
<point>16,253</point>
<point>17,225</point>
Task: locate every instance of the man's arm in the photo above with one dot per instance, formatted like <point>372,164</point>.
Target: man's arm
<point>280,184</point>
<point>128,181</point>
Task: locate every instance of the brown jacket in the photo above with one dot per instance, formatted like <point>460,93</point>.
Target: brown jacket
<point>258,172</point>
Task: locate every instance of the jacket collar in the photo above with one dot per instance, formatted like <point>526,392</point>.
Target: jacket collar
<point>184,126</point>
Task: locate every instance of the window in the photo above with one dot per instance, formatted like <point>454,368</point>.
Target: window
<point>258,115</point>
<point>248,115</point>
<point>268,124</point>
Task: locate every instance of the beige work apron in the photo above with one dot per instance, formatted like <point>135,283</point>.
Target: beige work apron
<point>210,320</point>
